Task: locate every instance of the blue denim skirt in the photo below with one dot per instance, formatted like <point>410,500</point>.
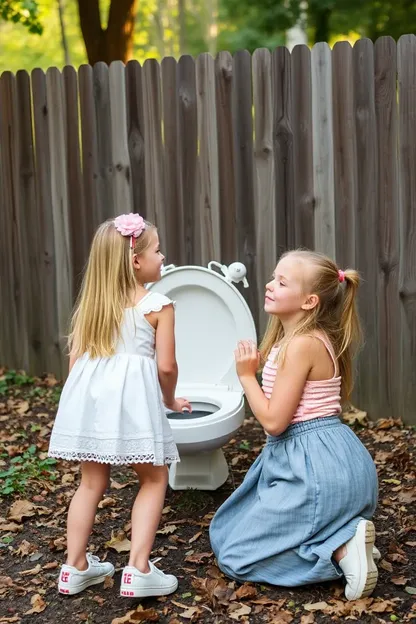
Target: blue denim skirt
<point>301,499</point>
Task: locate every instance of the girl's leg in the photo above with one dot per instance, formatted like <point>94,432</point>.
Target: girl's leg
<point>82,510</point>
<point>146,512</point>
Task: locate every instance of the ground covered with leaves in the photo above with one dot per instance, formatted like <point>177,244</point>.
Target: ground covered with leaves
<point>35,492</point>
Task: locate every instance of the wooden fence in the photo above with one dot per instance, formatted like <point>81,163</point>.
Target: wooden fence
<point>234,158</point>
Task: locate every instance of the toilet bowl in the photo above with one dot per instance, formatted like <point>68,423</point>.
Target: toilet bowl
<point>211,317</point>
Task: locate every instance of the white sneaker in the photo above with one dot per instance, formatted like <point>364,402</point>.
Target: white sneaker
<point>136,584</point>
<point>72,581</point>
<point>358,565</point>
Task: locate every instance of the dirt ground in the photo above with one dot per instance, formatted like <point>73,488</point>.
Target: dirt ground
<point>34,498</point>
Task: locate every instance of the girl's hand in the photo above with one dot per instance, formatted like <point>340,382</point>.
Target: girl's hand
<point>180,405</point>
<point>247,358</point>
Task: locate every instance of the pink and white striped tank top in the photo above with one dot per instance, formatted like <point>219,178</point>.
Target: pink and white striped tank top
<point>319,399</point>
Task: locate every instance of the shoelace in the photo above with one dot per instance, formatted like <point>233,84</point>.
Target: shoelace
<point>93,559</point>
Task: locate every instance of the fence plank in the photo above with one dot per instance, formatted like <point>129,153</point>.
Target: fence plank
<point>174,245</point>
<point>407,168</point>
<point>59,194</point>
<point>90,167</point>
<point>76,208</point>
<point>264,187</point>
<point>304,200</point>
<point>244,172</point>
<point>323,149</point>
<point>155,189</point>
<point>345,153</point>
<point>105,180</point>
<point>283,149</point>
<point>207,208</point>
<point>135,133</point>
<point>51,347</point>
<point>122,183</point>
<point>29,261</point>
<point>387,211</point>
<point>224,91</point>
<point>366,222</point>
<point>188,153</point>
<point>14,329</point>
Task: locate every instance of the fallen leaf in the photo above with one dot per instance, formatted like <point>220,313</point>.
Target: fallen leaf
<point>353,416</point>
<point>307,619</point>
<point>23,407</point>
<point>5,620</point>
<point>137,615</point>
<point>10,527</point>
<point>399,580</point>
<point>269,601</point>
<point>170,528</point>
<point>214,572</point>
<point>52,565</point>
<point>121,486</point>
<point>38,605</point>
<point>21,509</point>
<point>386,565</point>
<point>198,557</point>
<point>25,548</point>
<point>108,582</point>
<point>67,478</point>
<point>191,613</point>
<point>245,591</point>
<point>31,572</point>
<point>195,537</point>
<point>119,542</point>
<point>6,581</point>
<point>315,606</point>
<point>107,502</point>
<point>240,612</point>
<point>410,590</point>
<point>382,606</point>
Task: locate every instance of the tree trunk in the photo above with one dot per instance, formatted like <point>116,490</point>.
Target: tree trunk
<point>320,20</point>
<point>114,43</point>
<point>63,34</point>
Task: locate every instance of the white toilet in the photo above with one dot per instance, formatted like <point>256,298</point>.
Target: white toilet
<point>211,317</point>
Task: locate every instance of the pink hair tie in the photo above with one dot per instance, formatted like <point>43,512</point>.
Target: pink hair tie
<point>341,276</point>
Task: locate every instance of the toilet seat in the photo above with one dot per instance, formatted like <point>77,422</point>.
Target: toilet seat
<point>211,317</point>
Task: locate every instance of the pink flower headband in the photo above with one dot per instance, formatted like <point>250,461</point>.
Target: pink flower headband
<point>130,225</point>
<point>341,276</point>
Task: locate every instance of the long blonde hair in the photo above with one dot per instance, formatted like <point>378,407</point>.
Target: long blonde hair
<point>108,283</point>
<point>335,315</point>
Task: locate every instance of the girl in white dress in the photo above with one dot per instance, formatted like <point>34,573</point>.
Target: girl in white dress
<point>122,376</point>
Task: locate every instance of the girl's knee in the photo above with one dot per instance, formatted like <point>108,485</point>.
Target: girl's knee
<point>148,473</point>
<point>95,477</point>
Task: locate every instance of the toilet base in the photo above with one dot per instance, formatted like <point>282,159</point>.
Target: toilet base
<point>205,471</point>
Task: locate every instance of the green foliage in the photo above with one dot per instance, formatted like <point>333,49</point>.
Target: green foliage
<point>25,12</point>
<point>23,468</point>
<point>13,378</point>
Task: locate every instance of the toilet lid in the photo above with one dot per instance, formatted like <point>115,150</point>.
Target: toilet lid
<point>211,317</point>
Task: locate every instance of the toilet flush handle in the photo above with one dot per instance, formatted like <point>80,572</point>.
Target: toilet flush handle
<point>236,272</point>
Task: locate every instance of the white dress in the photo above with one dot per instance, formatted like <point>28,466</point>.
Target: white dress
<point>111,409</point>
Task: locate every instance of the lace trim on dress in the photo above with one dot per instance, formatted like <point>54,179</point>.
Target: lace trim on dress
<point>113,450</point>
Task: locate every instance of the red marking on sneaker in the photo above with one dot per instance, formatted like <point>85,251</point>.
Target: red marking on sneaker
<point>64,591</point>
<point>65,577</point>
<point>124,592</point>
<point>127,578</point>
